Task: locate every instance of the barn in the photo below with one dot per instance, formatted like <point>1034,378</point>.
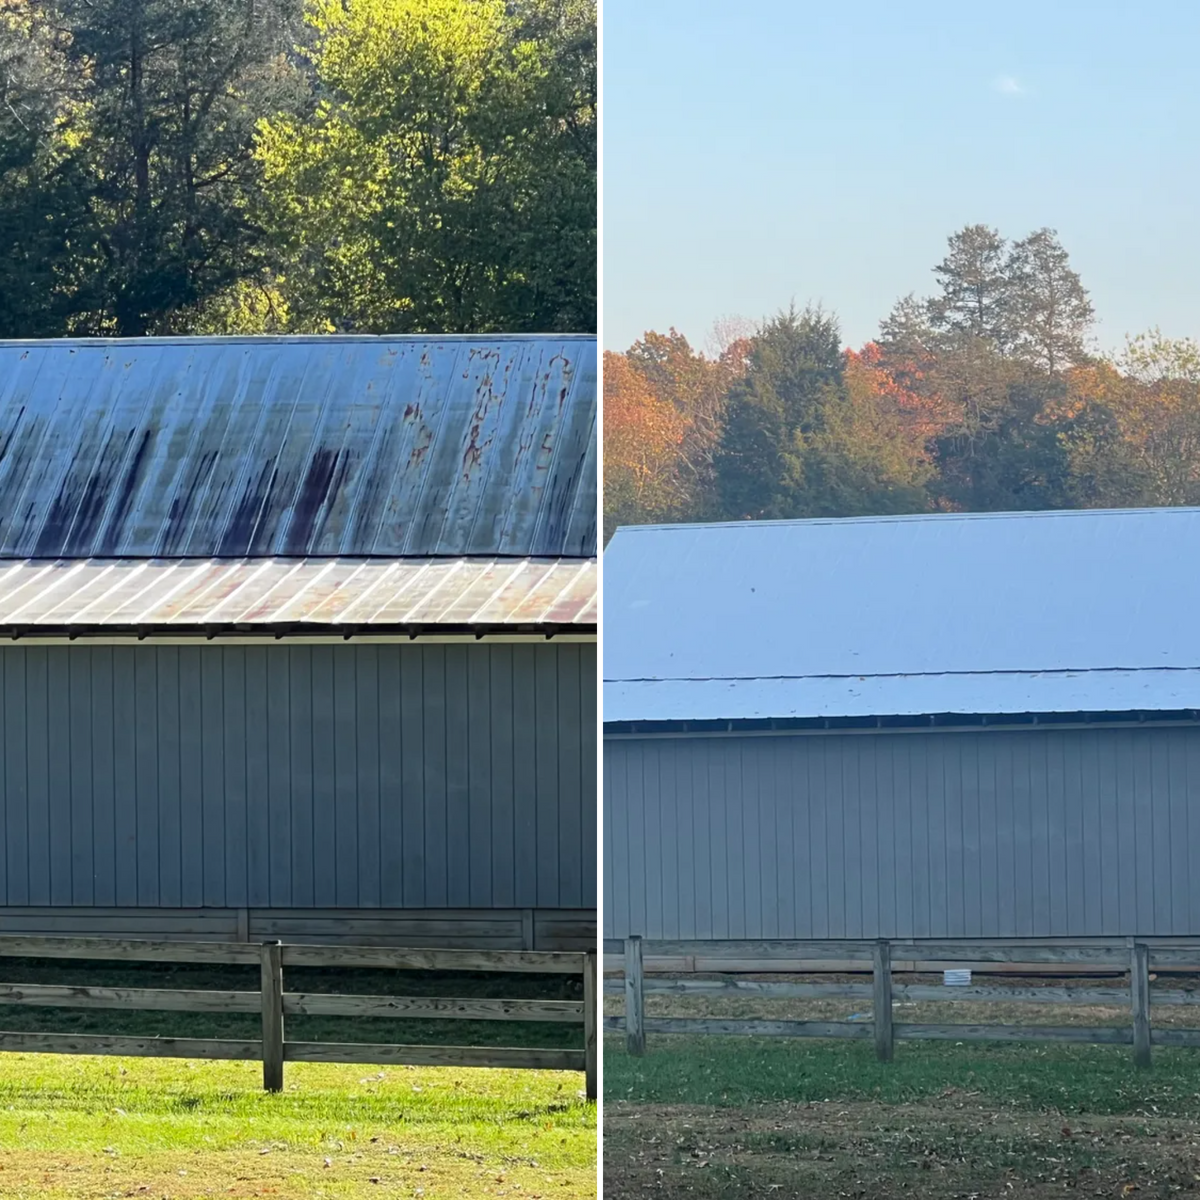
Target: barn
<point>297,639</point>
<point>936,726</point>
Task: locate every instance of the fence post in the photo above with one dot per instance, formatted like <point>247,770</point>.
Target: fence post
<point>591,1002</point>
<point>272,1016</point>
<point>882,1001</point>
<point>1139,996</point>
<point>635,1029</point>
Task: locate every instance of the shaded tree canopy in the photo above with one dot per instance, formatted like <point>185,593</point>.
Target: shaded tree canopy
<point>208,166</point>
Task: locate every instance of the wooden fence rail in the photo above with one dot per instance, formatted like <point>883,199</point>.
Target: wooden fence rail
<point>274,1003</point>
<point>1133,957</point>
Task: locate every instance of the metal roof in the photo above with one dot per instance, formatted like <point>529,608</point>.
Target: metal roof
<point>1087,611</point>
<point>38,598</point>
<point>257,447</point>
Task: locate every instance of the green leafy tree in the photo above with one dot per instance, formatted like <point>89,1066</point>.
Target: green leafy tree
<point>46,235</point>
<point>170,93</point>
<point>447,180</point>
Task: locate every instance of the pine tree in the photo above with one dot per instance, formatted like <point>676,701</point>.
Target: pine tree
<point>795,371</point>
<point>974,298</point>
<point>1049,313</point>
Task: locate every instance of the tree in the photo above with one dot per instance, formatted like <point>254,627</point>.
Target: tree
<point>1049,312</point>
<point>447,180</point>
<point>974,282</point>
<point>642,436</point>
<point>46,236</point>
<point>696,387</point>
<point>170,92</point>
<point>873,453</point>
<point>1136,430</point>
<point>794,371</point>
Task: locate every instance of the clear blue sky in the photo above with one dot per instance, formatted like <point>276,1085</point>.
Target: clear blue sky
<point>761,151</point>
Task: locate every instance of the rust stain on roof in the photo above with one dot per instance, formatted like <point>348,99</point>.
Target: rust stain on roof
<point>298,447</point>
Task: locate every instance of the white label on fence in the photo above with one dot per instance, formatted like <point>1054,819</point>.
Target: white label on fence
<point>957,978</point>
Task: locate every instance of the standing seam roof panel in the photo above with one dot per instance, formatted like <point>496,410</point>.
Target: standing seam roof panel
<point>285,447</point>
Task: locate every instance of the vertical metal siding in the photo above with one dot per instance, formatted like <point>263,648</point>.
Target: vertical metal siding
<point>298,776</point>
<point>1071,833</point>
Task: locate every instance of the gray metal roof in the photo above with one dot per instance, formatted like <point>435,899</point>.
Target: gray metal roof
<point>37,597</point>
<point>1085,611</point>
<point>251,447</point>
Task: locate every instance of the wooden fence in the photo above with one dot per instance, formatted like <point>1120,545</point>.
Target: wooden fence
<point>274,1004</point>
<point>1132,957</point>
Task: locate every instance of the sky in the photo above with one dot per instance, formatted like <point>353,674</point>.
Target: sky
<point>764,152</point>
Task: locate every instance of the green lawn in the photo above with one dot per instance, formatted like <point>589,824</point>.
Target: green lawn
<point>717,1116</point>
<point>98,1127</point>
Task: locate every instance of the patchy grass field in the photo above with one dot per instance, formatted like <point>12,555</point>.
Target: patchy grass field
<point>92,1128</point>
<point>719,1116</point>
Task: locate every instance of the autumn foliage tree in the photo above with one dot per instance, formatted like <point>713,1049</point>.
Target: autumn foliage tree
<point>983,396</point>
<point>1132,424</point>
<point>642,437</point>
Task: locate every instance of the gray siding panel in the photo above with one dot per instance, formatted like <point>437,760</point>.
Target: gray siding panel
<point>376,776</point>
<point>15,865</point>
<point>1069,833</point>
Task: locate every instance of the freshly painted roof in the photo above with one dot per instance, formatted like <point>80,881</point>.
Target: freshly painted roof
<point>331,446</point>
<point>40,598</point>
<point>1088,611</point>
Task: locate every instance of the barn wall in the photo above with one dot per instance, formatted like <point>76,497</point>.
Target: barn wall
<point>335,777</point>
<point>989,834</point>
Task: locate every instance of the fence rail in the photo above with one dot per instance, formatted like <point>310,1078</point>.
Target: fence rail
<point>274,1004</point>
<point>1132,957</point>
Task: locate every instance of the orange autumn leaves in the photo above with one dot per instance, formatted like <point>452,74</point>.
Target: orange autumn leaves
<point>1133,422</point>
<point>664,411</point>
<point>643,434</point>
<point>891,417</point>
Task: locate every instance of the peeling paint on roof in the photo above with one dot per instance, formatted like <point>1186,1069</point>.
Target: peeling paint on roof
<point>38,596</point>
<point>1084,611</point>
<point>298,447</point>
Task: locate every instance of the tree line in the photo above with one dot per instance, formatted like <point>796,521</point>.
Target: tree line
<point>272,166</point>
<point>983,396</point>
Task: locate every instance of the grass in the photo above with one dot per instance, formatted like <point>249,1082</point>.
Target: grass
<point>92,1127</point>
<point>709,1117</point>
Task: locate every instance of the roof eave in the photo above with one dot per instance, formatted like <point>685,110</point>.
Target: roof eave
<point>917,722</point>
<point>297,631</point>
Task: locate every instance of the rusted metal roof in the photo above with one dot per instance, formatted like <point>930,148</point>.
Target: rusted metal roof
<point>301,447</point>
<point>39,597</point>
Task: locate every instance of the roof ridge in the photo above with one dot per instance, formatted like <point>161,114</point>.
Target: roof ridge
<point>297,338</point>
<point>904,518</point>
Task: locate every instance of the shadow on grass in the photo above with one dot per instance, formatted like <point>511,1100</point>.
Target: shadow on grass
<point>138,1023</point>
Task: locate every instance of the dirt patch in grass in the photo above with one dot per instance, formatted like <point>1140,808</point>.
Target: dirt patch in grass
<point>952,1147</point>
<point>280,1172</point>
